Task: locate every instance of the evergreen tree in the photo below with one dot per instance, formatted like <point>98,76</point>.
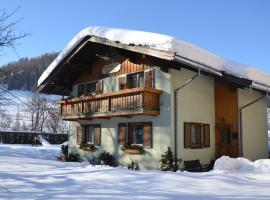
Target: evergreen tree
<point>168,162</point>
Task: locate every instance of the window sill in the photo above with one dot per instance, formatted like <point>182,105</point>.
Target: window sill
<point>133,151</point>
<point>91,147</point>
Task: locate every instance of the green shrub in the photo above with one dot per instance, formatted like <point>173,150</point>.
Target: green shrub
<point>107,158</point>
<point>168,162</point>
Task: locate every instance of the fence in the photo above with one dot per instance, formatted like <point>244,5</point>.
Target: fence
<point>13,137</point>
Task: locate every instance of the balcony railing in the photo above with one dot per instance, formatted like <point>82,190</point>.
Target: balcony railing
<point>125,103</point>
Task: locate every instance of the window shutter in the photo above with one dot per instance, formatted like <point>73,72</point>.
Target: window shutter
<point>79,135</point>
<point>199,135</point>
<point>97,135</point>
<point>99,86</point>
<point>147,133</point>
<point>149,79</point>
<point>122,82</point>
<point>87,134</point>
<point>130,134</point>
<point>206,135</point>
<point>187,129</point>
<point>122,134</point>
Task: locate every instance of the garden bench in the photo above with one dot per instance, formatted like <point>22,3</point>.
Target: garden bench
<point>193,166</point>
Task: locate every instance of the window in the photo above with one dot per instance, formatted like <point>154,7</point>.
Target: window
<point>81,90</point>
<point>91,88</point>
<point>196,135</point>
<point>92,134</point>
<point>135,133</point>
<point>134,80</point>
<point>225,136</point>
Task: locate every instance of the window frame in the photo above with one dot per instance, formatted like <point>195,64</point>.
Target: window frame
<point>200,137</point>
<point>93,84</point>
<point>140,79</point>
<point>91,139</point>
<point>130,125</point>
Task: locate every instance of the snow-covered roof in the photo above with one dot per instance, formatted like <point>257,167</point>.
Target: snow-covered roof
<point>182,51</point>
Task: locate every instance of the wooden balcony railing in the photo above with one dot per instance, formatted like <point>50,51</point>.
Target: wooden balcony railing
<point>129,102</point>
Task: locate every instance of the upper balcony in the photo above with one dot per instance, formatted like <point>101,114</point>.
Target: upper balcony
<point>124,103</point>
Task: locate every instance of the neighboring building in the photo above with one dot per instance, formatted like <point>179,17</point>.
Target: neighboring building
<point>130,87</point>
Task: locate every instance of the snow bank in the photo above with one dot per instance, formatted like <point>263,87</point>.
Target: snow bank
<point>242,165</point>
<point>50,152</point>
<point>43,141</point>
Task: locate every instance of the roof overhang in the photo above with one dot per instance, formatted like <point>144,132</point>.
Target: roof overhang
<point>177,52</point>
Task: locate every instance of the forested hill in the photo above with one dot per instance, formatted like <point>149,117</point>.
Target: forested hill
<point>24,73</point>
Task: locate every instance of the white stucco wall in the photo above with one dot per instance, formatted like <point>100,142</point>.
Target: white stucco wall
<point>196,103</point>
<point>162,131</point>
<point>254,125</point>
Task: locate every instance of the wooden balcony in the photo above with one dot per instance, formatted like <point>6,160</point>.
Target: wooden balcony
<point>125,103</point>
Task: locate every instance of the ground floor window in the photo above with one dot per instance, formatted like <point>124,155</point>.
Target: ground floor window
<point>139,133</point>
<point>89,134</point>
<point>196,135</point>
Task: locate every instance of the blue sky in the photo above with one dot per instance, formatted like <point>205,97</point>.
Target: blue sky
<point>235,29</point>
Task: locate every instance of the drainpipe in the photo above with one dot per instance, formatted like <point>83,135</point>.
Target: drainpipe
<point>241,120</point>
<point>176,109</point>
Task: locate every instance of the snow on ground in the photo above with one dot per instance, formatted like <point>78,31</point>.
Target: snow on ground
<point>30,173</point>
<point>49,152</point>
<point>242,165</point>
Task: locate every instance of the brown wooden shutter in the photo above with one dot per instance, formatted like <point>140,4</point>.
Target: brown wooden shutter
<point>187,130</point>
<point>149,79</point>
<point>79,135</point>
<point>97,135</point>
<point>122,134</point>
<point>99,86</point>
<point>147,133</point>
<point>206,135</point>
<point>130,134</point>
<point>199,135</point>
<point>87,134</point>
<point>122,82</point>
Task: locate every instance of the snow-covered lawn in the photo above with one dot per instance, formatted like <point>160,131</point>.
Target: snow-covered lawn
<point>31,173</point>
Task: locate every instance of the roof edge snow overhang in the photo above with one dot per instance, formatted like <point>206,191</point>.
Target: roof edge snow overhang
<point>66,56</point>
<point>78,42</point>
<point>196,65</point>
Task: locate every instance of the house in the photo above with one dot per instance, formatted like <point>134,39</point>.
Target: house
<point>130,91</point>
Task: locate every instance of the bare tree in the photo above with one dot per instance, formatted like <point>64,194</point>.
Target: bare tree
<point>6,120</point>
<point>54,123</point>
<point>45,115</point>
<point>8,34</point>
<point>35,107</point>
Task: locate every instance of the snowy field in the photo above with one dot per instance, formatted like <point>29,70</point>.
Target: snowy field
<point>33,173</point>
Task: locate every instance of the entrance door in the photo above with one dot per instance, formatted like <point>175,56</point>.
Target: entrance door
<point>226,111</point>
<point>226,141</point>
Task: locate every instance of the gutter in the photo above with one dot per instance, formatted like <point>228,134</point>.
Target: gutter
<point>241,119</point>
<point>176,109</point>
<point>197,65</point>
